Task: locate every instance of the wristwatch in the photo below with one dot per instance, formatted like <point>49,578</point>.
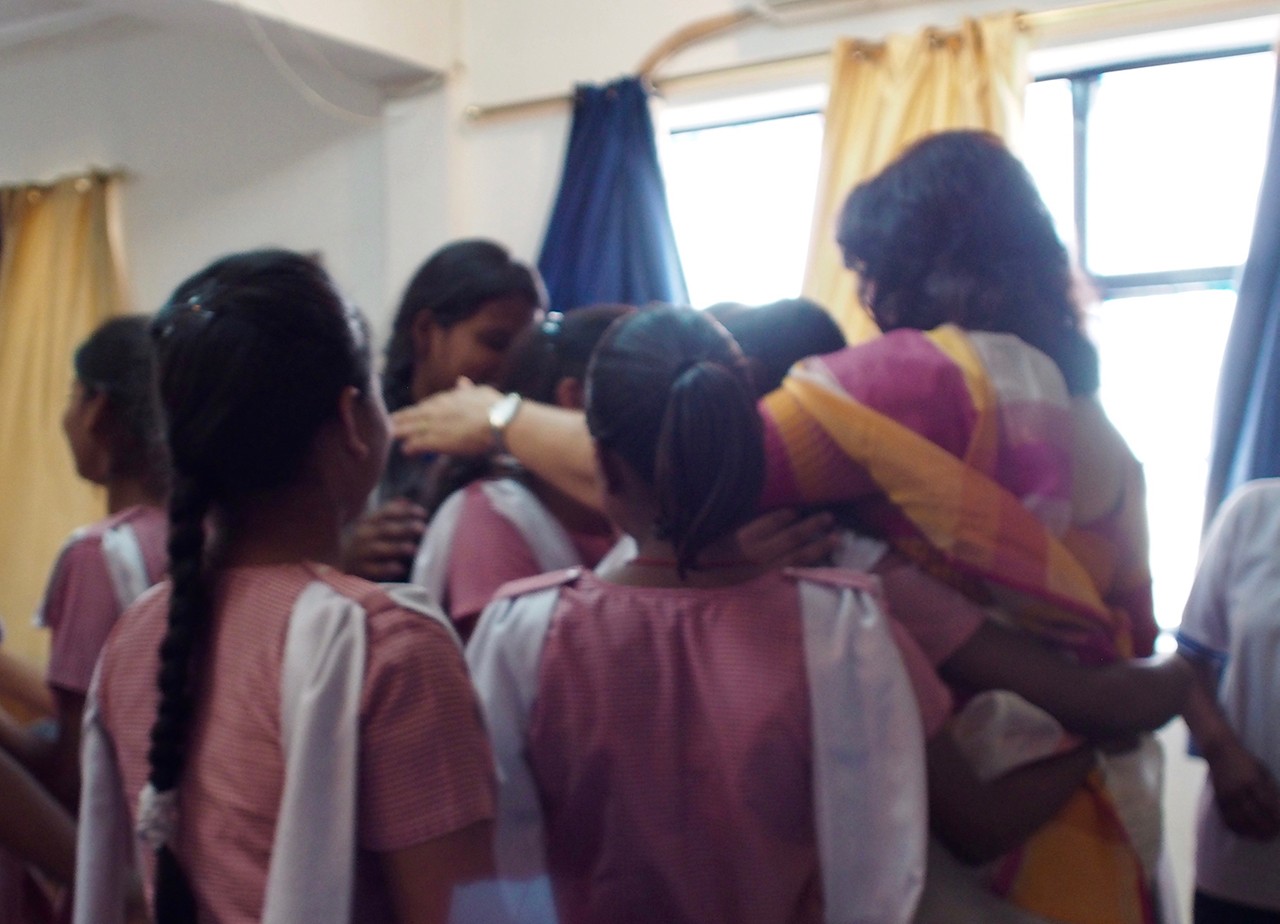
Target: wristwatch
<point>501,413</point>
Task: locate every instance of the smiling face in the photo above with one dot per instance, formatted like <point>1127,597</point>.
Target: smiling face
<point>473,347</point>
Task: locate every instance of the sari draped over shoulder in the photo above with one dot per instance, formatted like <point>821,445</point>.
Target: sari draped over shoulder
<point>956,448</point>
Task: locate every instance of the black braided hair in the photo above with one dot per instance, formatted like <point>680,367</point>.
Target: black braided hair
<point>954,231</point>
<point>668,390</point>
<point>453,284</point>
<point>253,353</point>
<point>118,361</point>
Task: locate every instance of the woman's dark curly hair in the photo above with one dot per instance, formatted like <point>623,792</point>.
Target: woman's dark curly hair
<point>954,231</point>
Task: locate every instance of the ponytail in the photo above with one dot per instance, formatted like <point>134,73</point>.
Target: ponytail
<point>670,393</point>
<point>188,616</point>
<point>708,465</point>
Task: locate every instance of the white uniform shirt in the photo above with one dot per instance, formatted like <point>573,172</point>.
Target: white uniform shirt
<point>1233,616</point>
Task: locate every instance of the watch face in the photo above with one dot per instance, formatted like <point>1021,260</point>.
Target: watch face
<point>503,410</point>
<point>500,416</point>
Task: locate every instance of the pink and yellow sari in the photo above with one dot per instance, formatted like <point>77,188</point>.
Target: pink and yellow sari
<point>956,448</point>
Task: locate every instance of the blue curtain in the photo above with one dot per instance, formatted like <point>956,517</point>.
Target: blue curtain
<point>1246,439</point>
<point>610,237</point>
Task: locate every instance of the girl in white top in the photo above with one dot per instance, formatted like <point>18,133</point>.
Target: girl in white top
<point>1231,633</point>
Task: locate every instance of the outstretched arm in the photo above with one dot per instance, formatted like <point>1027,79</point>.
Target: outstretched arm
<point>1113,700</point>
<point>1105,702</point>
<point>549,441</point>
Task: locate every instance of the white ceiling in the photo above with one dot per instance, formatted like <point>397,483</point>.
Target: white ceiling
<point>29,25</point>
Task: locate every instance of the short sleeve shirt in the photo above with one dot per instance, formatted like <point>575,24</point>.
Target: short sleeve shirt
<point>671,743</point>
<point>81,604</point>
<point>1232,618</point>
<point>425,767</point>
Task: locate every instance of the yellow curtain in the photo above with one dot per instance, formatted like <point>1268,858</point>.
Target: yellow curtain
<point>885,96</point>
<point>60,277</point>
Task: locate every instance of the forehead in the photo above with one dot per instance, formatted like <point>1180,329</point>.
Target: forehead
<point>508,312</point>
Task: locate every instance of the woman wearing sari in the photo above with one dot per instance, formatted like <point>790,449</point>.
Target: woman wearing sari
<point>969,438</point>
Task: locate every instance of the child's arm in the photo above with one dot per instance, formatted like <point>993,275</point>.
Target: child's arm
<point>1109,701</point>
<point>53,759</point>
<point>22,685</point>
<point>1243,789</point>
<point>425,878</point>
<point>980,821</point>
<point>33,826</point>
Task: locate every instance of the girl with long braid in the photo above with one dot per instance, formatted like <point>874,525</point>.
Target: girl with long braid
<point>312,751</point>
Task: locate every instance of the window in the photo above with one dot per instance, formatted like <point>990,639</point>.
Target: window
<point>741,199</point>
<point>1152,175</point>
<point>1151,171</point>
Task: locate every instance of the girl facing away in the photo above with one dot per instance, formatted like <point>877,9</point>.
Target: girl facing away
<point>312,750</point>
<point>688,736</point>
<point>113,430</point>
<point>497,523</point>
<point>459,315</point>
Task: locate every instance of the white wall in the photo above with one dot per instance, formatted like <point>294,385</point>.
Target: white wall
<point>221,154</point>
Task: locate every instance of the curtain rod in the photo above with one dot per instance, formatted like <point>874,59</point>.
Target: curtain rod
<point>1045,21</point>
<point>88,175</point>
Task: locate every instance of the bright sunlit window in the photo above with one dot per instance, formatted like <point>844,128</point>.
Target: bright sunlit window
<point>741,200</point>
<point>1151,171</point>
<point>1158,208</point>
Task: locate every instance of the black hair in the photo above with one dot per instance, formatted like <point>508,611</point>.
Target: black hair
<point>669,392</point>
<point>253,353</point>
<point>776,336</point>
<point>118,360</point>
<point>452,284</point>
<point>558,348</point>
<point>954,231</point>
<point>540,357</point>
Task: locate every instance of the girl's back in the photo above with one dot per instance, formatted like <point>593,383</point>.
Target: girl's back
<point>671,743</point>
<point>687,737</point>
<point>423,769</point>
<point>303,721</point>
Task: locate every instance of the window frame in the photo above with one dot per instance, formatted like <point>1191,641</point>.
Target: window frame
<point>1083,83</point>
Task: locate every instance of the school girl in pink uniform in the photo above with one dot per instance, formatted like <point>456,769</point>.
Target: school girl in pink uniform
<point>494,522</point>
<point>112,426</point>
<point>313,751</point>
<point>690,737</point>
